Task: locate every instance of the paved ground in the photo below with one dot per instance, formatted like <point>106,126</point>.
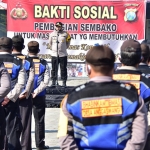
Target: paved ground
<point>51,120</point>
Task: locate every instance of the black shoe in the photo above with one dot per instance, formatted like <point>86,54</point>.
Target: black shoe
<point>64,83</point>
<point>53,83</point>
<point>42,148</point>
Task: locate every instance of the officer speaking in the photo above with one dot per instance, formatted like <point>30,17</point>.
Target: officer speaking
<point>59,41</point>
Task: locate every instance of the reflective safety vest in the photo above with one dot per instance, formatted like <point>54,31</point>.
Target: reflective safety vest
<point>40,68</point>
<point>138,79</point>
<point>27,63</point>
<point>102,117</point>
<point>13,65</point>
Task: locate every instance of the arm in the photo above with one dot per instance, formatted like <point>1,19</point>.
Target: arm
<point>29,85</point>
<point>15,92</point>
<point>43,83</point>
<point>139,129</point>
<point>66,141</point>
<point>5,82</point>
<point>68,40</point>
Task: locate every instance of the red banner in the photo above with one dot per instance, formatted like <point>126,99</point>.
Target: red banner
<point>88,22</point>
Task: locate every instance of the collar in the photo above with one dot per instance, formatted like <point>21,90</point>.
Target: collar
<point>143,64</point>
<point>16,53</point>
<point>4,53</point>
<point>101,79</point>
<point>127,68</point>
<point>32,55</point>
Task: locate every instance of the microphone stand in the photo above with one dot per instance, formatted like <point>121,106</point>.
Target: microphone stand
<point>57,84</point>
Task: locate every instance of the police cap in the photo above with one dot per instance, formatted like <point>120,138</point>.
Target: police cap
<point>59,24</point>
<point>33,46</point>
<point>131,46</point>
<point>18,40</point>
<point>5,43</point>
<point>100,55</point>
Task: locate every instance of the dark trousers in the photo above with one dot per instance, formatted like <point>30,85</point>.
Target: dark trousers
<point>2,127</point>
<point>13,126</point>
<point>63,67</point>
<point>39,116</point>
<point>25,106</point>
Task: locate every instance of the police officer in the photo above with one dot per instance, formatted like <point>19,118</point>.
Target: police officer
<point>15,68</point>
<point>143,66</point>
<point>130,59</point>
<point>41,80</point>
<point>4,90</point>
<point>97,117</point>
<point>147,42</point>
<point>59,40</point>
<point>25,101</point>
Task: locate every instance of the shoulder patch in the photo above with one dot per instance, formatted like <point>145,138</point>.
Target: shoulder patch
<point>80,88</point>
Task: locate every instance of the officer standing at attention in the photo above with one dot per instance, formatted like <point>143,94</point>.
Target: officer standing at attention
<point>97,117</point>
<point>25,98</point>
<point>17,73</point>
<point>143,66</point>
<point>62,38</point>
<point>130,58</point>
<point>41,81</point>
<point>5,88</point>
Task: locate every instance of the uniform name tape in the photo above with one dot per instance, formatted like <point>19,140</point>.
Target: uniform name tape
<point>102,107</point>
<point>102,112</point>
<point>36,60</point>
<point>126,77</point>
<point>21,57</point>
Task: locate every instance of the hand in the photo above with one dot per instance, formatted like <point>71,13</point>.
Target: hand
<point>6,101</point>
<point>33,95</point>
<point>23,95</point>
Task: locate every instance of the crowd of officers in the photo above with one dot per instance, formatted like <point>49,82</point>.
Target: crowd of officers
<point>23,82</point>
<point>110,112</point>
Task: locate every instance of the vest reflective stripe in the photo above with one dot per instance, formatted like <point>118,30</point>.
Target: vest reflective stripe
<point>82,137</point>
<point>40,78</point>
<point>124,130</point>
<point>123,138</point>
<point>128,121</point>
<point>79,128</point>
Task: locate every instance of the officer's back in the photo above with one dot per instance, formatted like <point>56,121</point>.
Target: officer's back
<point>41,80</point>
<point>17,75</point>
<point>130,59</point>
<point>102,114</point>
